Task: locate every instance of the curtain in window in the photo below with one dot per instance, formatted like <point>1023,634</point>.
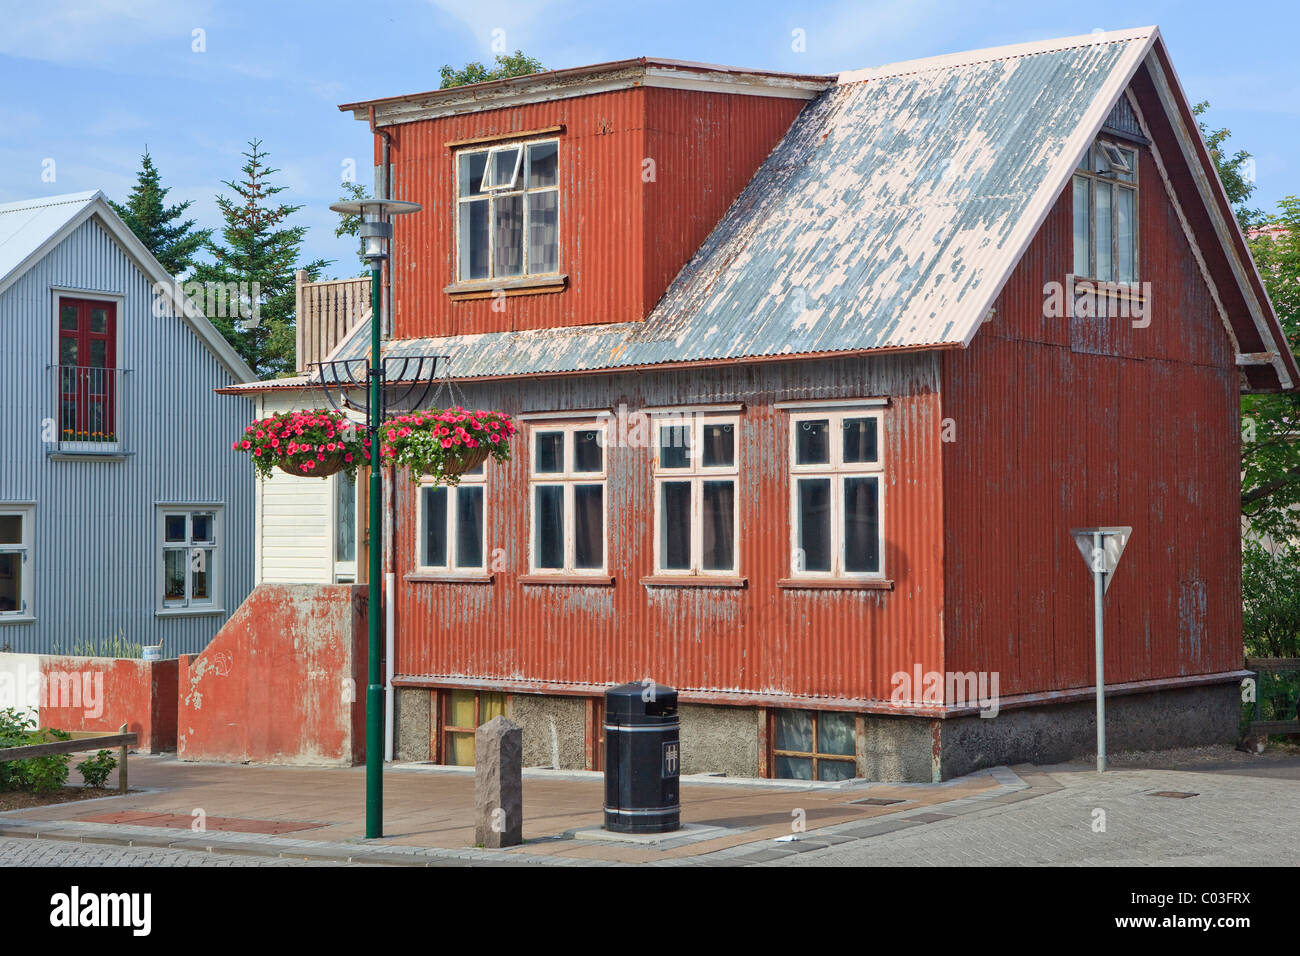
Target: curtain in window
<point>508,236</point>
<point>543,232</point>
<point>588,526</point>
<point>717,522</point>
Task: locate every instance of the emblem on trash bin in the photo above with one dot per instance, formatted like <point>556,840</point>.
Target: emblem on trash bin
<point>672,759</point>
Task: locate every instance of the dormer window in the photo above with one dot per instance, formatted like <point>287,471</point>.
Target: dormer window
<point>507,208</point>
<point>1105,213</point>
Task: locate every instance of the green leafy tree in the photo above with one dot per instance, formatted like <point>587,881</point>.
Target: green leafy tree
<point>173,243</point>
<point>1270,488</point>
<point>507,64</point>
<point>1236,170</point>
<point>351,225</point>
<point>258,247</point>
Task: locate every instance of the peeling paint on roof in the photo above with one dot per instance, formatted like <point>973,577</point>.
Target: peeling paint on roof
<point>888,217</point>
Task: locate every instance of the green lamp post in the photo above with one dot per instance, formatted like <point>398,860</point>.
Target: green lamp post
<point>376,235</point>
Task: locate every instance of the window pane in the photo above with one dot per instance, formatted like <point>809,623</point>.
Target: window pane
<point>11,529</point>
<point>793,768</point>
<point>860,440</point>
<point>719,449</point>
<point>98,352</point>
<point>68,355</point>
<point>542,164</point>
<point>174,528</point>
<point>471,173</point>
<point>1082,228</point>
<point>469,526</point>
<point>202,527</point>
<point>201,574</point>
<point>490,704</point>
<point>674,446</point>
<point>1087,158</point>
<point>862,524</point>
<point>504,164</point>
<point>99,320</point>
<point>474,239</point>
<point>1126,238</point>
<point>1131,157</point>
<point>675,525</point>
<point>548,526</point>
<point>508,236</point>
<point>717,525</point>
<point>814,525</point>
<point>811,444</point>
<point>460,750</point>
<point>68,318</point>
<point>11,582</point>
<point>550,453</point>
<point>543,232</point>
<point>587,450</point>
<point>1105,272</point>
<point>460,709</point>
<point>433,553</point>
<point>174,564</point>
<point>345,518</point>
<point>794,730</point>
<point>835,733</point>
<point>588,526</point>
<point>836,770</point>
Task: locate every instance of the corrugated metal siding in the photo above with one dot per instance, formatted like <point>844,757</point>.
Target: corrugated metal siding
<point>621,240</point>
<point>761,639</point>
<point>95,560</point>
<point>1065,424</point>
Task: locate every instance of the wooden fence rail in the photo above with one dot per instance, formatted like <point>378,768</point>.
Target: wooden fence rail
<point>79,743</point>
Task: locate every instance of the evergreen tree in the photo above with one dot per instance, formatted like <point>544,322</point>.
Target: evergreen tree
<point>259,247</point>
<point>172,243</point>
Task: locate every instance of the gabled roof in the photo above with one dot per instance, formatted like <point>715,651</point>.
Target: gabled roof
<point>890,216</point>
<point>31,228</point>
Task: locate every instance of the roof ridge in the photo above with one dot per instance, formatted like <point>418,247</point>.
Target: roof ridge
<point>948,61</point>
<point>62,199</point>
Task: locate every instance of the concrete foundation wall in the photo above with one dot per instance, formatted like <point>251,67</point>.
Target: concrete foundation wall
<point>720,739</point>
<point>413,732</point>
<point>555,730</point>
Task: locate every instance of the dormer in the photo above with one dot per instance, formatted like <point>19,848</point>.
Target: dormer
<point>567,198</point>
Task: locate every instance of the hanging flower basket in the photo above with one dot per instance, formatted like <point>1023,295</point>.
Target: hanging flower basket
<point>307,444</point>
<point>444,445</point>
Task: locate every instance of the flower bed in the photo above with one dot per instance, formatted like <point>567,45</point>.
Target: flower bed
<point>443,445</point>
<point>310,444</point>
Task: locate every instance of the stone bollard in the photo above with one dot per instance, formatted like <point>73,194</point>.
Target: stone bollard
<point>498,784</point>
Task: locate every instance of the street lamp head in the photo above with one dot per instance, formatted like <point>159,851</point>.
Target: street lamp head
<point>376,230</point>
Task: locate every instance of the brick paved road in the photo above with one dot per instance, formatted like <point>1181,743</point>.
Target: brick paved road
<point>33,852</point>
<point>1236,820</point>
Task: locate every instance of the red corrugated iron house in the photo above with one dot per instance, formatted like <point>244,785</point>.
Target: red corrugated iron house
<point>812,393</point>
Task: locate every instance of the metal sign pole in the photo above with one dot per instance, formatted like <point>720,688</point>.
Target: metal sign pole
<point>1099,616</point>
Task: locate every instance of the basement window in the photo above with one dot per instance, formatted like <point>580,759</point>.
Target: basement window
<point>463,712</point>
<point>1105,217</point>
<point>696,532</point>
<point>813,745</point>
<point>507,209</point>
<point>15,563</point>
<point>836,495</point>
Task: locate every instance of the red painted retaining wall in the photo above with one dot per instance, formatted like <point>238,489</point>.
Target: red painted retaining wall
<point>273,685</point>
<point>103,693</point>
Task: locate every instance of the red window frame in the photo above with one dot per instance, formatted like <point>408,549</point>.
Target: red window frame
<point>87,396</point>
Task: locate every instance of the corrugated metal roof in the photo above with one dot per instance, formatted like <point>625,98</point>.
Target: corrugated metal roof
<point>889,216</point>
<point>28,224</point>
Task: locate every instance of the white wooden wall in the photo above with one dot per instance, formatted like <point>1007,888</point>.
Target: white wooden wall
<point>294,521</point>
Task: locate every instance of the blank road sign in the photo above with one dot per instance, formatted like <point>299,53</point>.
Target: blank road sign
<point>1113,541</point>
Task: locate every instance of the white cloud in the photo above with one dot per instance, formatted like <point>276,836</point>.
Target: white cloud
<point>76,32</point>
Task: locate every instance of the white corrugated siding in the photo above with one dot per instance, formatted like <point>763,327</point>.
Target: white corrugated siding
<point>95,557</point>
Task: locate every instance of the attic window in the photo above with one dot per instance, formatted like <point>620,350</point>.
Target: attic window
<point>507,211</point>
<point>1105,194</point>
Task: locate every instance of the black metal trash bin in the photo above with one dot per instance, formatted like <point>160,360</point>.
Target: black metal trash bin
<point>642,759</point>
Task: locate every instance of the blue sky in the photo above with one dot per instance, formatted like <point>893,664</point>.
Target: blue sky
<point>89,83</point>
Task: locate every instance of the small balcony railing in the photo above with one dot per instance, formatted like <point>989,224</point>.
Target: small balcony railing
<point>90,403</point>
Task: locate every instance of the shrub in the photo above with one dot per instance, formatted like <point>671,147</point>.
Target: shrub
<point>95,770</point>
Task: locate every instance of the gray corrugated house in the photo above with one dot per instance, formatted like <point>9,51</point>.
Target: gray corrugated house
<point>123,510</point>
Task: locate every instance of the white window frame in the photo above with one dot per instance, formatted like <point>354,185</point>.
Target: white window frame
<point>836,469</point>
<point>696,474</point>
<point>491,194</point>
<point>490,167</point>
<point>189,606</point>
<point>568,479</point>
<point>477,480</point>
<point>345,572</point>
<point>26,610</point>
<point>1087,170</point>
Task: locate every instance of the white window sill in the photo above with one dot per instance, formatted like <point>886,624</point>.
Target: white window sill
<point>443,576</point>
<point>569,578</point>
<point>188,611</point>
<point>843,584</point>
<point>17,619</point>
